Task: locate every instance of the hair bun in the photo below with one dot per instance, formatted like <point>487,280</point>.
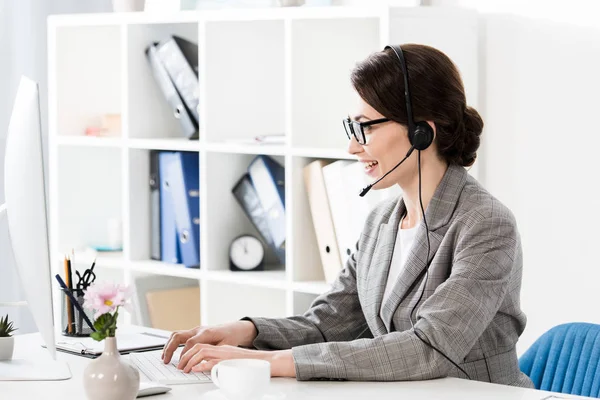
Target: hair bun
<point>473,126</point>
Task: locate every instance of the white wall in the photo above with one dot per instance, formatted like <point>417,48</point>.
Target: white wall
<point>23,51</point>
<point>541,152</point>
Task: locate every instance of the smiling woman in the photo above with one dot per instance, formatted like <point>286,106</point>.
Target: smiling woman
<point>434,287</point>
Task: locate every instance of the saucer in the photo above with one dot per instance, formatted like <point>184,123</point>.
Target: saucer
<point>217,394</point>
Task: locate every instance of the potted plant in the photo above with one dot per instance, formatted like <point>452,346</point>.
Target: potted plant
<point>7,342</point>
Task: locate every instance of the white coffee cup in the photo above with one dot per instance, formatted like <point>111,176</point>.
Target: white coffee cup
<point>242,378</point>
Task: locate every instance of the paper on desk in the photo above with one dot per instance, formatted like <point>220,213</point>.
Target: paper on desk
<point>126,342</point>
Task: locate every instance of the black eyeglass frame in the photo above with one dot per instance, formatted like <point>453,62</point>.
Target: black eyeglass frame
<point>355,128</point>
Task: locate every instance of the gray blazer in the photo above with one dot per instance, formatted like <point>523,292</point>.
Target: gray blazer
<point>470,309</point>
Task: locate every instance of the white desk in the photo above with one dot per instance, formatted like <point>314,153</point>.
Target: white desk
<point>281,388</point>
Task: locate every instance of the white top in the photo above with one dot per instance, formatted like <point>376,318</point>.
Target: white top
<point>404,242</point>
<point>28,346</point>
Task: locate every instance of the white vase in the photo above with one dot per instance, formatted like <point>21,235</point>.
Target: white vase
<point>128,5</point>
<point>7,345</point>
<point>109,377</point>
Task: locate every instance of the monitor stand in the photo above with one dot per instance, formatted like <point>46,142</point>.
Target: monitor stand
<point>34,370</point>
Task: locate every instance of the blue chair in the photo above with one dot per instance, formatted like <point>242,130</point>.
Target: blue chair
<point>566,359</point>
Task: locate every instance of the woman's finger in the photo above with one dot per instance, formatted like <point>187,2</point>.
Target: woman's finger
<point>185,358</point>
<point>205,366</point>
<point>201,355</point>
<point>171,346</point>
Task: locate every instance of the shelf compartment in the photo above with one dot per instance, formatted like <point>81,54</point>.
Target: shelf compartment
<point>244,79</point>
<point>139,206</point>
<point>88,60</point>
<point>226,219</point>
<point>89,197</point>
<point>150,115</point>
<point>229,302</point>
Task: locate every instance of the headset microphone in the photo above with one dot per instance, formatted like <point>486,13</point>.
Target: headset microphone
<point>367,188</point>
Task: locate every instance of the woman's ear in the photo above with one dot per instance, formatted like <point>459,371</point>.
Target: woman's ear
<point>432,124</point>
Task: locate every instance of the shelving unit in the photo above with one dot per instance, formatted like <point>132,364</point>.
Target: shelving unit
<point>282,71</point>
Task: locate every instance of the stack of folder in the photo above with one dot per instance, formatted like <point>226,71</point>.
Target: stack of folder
<point>175,207</point>
<point>261,194</point>
<point>338,212</point>
<point>174,64</point>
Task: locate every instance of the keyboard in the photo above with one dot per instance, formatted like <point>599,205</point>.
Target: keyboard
<point>155,370</point>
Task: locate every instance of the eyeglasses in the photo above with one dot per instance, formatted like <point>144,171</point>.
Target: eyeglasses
<point>356,129</point>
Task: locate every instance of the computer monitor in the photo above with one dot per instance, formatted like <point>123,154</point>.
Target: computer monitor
<point>26,212</point>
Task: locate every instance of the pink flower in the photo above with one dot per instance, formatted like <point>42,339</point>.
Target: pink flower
<point>105,297</point>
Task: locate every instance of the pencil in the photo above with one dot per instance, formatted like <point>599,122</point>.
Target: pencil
<point>67,299</point>
<point>70,286</point>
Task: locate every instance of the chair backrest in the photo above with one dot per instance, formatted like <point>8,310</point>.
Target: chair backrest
<point>566,359</point>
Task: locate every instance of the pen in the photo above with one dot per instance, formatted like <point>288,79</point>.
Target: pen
<point>68,300</point>
<point>74,301</point>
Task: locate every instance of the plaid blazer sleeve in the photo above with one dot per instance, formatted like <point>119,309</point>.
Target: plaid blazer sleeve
<point>333,316</point>
<point>451,319</point>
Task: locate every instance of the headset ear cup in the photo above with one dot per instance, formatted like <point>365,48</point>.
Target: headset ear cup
<point>423,136</point>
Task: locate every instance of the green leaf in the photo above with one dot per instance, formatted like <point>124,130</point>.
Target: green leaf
<point>98,336</point>
<point>6,327</point>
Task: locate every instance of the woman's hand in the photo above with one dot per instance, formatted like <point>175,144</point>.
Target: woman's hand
<point>202,357</point>
<point>240,333</point>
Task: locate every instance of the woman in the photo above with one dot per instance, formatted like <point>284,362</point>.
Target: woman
<point>389,317</point>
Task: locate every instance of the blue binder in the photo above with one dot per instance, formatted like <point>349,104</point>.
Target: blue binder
<point>183,179</point>
<point>169,248</point>
<point>268,178</point>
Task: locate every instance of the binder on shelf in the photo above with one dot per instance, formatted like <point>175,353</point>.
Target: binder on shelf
<point>183,180</point>
<point>340,197</point>
<point>322,220</point>
<point>247,197</point>
<point>268,178</point>
<point>169,248</point>
<point>170,93</point>
<point>180,58</point>
<point>154,181</point>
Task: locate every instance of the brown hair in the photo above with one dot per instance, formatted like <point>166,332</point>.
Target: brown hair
<point>437,94</point>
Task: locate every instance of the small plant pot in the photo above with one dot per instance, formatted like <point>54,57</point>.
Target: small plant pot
<point>7,345</point>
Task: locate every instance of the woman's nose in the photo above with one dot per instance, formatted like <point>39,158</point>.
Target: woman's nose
<point>354,147</point>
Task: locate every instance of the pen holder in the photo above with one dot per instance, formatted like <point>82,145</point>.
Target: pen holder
<point>72,321</point>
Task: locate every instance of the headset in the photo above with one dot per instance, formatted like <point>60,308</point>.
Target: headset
<point>420,134</point>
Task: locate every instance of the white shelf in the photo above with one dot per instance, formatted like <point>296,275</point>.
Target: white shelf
<point>315,287</point>
<point>266,279</point>
<point>322,153</point>
<point>89,141</point>
<point>175,144</point>
<point>261,71</point>
<point>114,260</point>
<point>99,19</point>
<point>237,148</point>
<point>163,268</point>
